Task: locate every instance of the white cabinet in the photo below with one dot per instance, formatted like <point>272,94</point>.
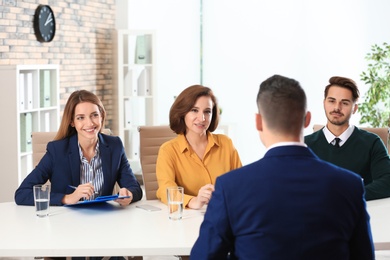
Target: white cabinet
<point>135,91</point>
<point>30,103</point>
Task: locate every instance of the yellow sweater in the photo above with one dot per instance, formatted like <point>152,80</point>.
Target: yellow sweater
<point>178,164</point>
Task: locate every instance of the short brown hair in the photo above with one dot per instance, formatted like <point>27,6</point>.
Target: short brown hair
<point>282,103</point>
<point>185,102</point>
<point>77,97</point>
<point>344,83</point>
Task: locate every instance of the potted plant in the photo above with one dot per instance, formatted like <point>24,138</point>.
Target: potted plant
<point>375,109</point>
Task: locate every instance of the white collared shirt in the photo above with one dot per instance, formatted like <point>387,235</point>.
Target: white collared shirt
<point>343,137</point>
<point>92,171</point>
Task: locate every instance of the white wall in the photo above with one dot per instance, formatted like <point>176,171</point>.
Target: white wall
<point>307,40</point>
<point>246,41</point>
<point>176,23</point>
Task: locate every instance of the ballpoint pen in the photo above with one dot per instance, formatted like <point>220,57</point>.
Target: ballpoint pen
<point>105,198</point>
<point>74,187</point>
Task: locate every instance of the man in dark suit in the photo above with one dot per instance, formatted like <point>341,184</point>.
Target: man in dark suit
<point>289,204</point>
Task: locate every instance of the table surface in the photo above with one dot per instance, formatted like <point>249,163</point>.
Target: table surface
<point>379,211</point>
<point>107,229</point>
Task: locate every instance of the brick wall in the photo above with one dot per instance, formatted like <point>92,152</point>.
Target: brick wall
<point>82,45</point>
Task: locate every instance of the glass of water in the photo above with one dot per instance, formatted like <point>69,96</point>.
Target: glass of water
<point>42,199</point>
<point>175,202</point>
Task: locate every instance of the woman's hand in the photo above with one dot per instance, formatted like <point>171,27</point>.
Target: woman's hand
<point>204,196</point>
<point>125,192</point>
<point>85,191</point>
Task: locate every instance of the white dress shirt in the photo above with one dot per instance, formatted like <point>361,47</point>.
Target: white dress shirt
<point>343,137</point>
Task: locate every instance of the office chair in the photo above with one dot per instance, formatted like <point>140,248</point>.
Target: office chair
<point>39,143</point>
<point>151,138</point>
<point>382,132</point>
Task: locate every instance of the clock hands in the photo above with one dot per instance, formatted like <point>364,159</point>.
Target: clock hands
<point>49,19</point>
<point>44,23</point>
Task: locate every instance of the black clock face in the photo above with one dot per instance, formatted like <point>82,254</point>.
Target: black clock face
<point>44,23</point>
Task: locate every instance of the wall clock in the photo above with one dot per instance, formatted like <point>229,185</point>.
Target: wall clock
<point>44,23</point>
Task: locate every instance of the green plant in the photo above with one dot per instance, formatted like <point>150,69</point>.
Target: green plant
<point>375,110</point>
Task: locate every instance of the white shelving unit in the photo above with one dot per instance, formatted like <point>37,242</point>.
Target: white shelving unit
<point>135,91</point>
<point>30,103</point>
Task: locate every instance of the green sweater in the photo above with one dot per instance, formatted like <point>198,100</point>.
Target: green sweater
<point>363,153</point>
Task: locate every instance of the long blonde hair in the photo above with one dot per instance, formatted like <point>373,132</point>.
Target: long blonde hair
<point>77,97</point>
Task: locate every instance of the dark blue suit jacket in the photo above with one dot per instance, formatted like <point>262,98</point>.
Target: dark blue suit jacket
<point>288,205</point>
<point>61,165</point>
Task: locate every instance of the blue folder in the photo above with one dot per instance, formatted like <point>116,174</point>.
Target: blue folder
<point>100,199</point>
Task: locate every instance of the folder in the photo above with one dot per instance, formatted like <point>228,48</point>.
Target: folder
<point>134,111</point>
<point>25,132</point>
<point>29,88</point>
<point>47,121</point>
<point>142,83</point>
<point>127,82</point>
<point>134,144</point>
<point>143,49</point>
<point>137,111</point>
<point>148,81</point>
<point>127,113</point>
<point>130,87</point>
<point>45,86</point>
<point>140,111</point>
<point>131,44</point>
<point>99,200</point>
<point>22,90</point>
<point>29,164</point>
<point>136,73</point>
<point>127,143</point>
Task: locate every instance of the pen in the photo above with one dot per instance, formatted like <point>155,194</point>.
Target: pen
<point>74,187</point>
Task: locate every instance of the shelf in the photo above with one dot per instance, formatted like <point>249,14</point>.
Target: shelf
<point>135,91</point>
<point>31,104</point>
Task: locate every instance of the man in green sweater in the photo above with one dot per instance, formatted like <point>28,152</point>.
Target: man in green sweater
<point>348,146</point>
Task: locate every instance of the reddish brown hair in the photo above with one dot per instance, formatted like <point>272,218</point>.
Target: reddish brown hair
<point>185,102</point>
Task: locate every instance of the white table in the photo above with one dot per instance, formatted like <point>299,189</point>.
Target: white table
<point>110,230</point>
<point>379,211</point>
<point>101,230</point>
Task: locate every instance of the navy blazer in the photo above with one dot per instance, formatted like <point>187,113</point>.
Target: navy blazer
<point>288,205</point>
<point>61,165</point>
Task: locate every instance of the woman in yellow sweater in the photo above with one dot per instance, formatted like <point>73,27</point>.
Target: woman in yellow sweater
<point>196,157</point>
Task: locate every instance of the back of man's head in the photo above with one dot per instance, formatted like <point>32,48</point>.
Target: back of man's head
<point>282,104</point>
